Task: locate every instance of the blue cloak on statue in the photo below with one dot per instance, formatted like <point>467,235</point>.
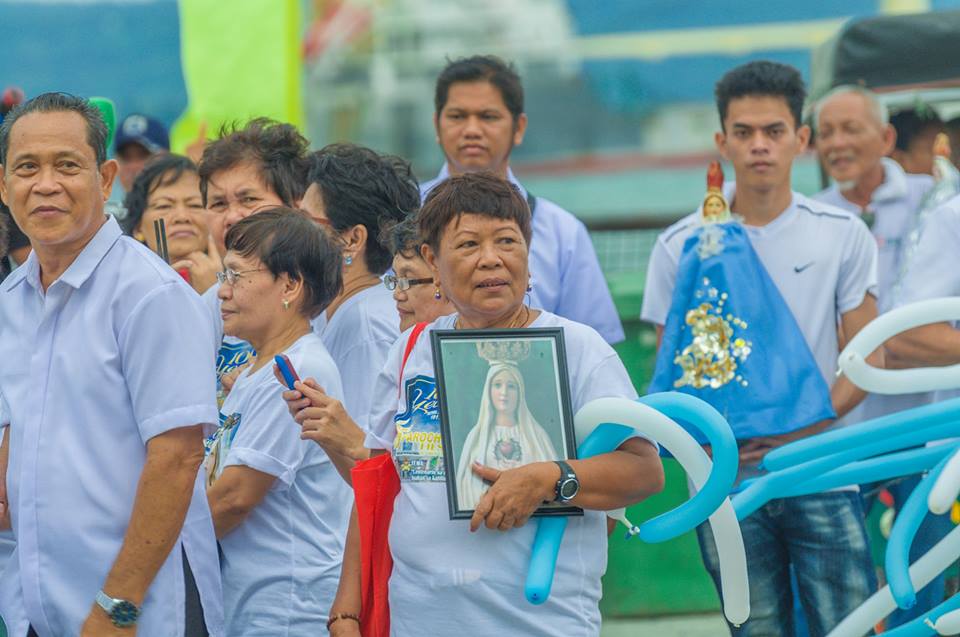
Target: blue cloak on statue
<point>731,340</point>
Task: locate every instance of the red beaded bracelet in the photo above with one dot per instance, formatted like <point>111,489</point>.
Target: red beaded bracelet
<point>339,616</point>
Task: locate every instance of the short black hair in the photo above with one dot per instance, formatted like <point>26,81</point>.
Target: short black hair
<point>161,170</point>
<point>57,103</point>
<point>15,237</point>
<point>278,149</point>
<point>481,68</point>
<point>912,122</point>
<point>287,242</point>
<point>762,78</point>
<point>361,187</point>
<point>402,237</point>
<point>480,193</point>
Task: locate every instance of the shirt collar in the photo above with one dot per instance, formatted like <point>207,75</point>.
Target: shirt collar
<point>445,173</point>
<point>81,268</point>
<point>894,184</point>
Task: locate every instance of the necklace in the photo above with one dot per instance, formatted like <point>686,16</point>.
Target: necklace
<point>519,321</point>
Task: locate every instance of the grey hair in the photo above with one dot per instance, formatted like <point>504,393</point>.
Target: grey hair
<point>879,110</point>
<point>58,103</point>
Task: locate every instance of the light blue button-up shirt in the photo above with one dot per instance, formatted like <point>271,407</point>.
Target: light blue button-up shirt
<point>564,270</point>
<point>116,351</point>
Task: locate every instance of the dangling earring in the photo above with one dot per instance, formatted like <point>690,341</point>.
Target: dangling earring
<point>529,287</point>
<point>436,294</point>
<point>139,237</point>
<point>348,260</point>
<point>286,304</point>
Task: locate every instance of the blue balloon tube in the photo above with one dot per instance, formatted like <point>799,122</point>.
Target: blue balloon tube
<point>876,469</point>
<point>918,627</point>
<point>897,558</point>
<point>546,544</point>
<point>696,510</point>
<point>774,485</point>
<point>850,437</point>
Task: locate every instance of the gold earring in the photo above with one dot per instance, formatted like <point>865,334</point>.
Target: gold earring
<point>139,237</point>
<point>286,304</point>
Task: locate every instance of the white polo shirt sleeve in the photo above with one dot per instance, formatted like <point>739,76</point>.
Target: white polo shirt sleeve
<point>857,275</point>
<point>932,270</point>
<point>168,359</point>
<point>268,439</point>
<point>661,279</point>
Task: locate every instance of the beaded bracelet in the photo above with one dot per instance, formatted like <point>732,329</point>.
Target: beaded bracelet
<point>339,616</point>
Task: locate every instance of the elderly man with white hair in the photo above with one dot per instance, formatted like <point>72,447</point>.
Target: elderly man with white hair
<point>853,138</point>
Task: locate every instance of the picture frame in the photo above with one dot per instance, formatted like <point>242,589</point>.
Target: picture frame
<point>504,398</point>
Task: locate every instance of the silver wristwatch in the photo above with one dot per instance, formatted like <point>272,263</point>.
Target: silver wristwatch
<point>122,613</point>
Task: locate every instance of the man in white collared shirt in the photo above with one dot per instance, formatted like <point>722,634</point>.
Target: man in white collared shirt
<point>479,118</point>
<point>107,406</point>
<point>853,138</point>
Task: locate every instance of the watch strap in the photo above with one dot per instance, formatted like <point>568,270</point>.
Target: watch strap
<point>567,474</point>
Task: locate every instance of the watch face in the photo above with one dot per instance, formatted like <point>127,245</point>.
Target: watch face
<point>124,614</point>
<point>569,488</point>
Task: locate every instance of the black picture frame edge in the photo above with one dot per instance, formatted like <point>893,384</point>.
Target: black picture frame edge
<point>523,333</point>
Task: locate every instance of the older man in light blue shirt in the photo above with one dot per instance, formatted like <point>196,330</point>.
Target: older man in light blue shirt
<point>853,138</point>
<point>479,118</point>
<point>113,383</point>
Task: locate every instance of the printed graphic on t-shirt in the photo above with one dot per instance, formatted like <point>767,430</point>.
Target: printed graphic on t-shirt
<point>218,444</point>
<point>417,451</point>
<point>231,356</point>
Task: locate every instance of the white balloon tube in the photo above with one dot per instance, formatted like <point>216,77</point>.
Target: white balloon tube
<point>902,381</point>
<point>880,604</point>
<point>948,624</point>
<point>947,487</point>
<point>649,422</point>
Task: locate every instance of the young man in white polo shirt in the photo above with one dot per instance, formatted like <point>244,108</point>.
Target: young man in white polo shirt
<point>479,118</point>
<point>823,262</point>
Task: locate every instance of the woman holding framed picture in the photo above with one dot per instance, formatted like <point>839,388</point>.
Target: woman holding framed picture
<point>464,577</point>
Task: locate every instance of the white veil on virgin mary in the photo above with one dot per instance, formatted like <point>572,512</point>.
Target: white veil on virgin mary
<point>535,444</point>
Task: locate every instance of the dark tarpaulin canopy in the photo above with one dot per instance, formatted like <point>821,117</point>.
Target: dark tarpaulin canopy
<point>891,53</point>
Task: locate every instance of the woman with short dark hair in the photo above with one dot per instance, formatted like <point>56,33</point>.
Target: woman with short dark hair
<point>453,577</point>
<point>353,193</point>
<point>279,507</point>
<point>168,188</point>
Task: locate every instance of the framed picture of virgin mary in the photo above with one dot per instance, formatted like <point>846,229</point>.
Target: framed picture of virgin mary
<point>504,402</point>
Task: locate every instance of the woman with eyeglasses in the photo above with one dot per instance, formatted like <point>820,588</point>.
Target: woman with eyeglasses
<point>279,507</point>
<point>352,193</point>
<point>417,297</point>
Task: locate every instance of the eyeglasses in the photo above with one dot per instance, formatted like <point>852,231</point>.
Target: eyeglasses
<point>231,276</point>
<point>394,282</point>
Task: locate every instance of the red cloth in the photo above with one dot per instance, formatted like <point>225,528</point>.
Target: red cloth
<point>375,487</point>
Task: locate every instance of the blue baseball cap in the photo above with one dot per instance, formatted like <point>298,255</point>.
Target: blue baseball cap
<point>144,130</point>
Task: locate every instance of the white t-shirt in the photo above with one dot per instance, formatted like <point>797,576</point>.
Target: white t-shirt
<point>894,205</point>
<point>281,565</point>
<point>448,581</point>
<point>358,337</point>
<point>932,270</point>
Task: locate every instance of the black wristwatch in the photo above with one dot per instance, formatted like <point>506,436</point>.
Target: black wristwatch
<point>568,486</point>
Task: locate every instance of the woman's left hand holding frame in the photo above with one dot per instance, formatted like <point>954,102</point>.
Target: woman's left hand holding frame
<point>514,494</point>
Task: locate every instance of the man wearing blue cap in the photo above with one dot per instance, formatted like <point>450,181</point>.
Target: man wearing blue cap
<point>138,138</point>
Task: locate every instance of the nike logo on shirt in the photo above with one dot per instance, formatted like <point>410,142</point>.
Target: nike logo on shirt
<point>800,268</point>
